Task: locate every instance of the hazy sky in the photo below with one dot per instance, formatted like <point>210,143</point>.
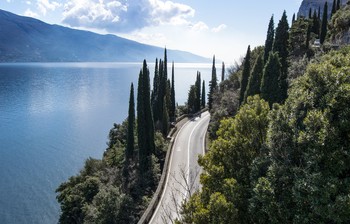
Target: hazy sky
<point>205,27</point>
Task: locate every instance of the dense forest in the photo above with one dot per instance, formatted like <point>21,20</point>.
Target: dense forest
<point>280,130</point>
<point>279,136</point>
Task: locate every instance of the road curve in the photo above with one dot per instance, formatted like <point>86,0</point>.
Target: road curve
<point>183,176</point>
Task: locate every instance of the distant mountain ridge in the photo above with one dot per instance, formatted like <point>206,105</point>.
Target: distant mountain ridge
<point>315,5</point>
<point>25,39</point>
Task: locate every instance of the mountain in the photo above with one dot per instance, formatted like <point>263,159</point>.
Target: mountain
<point>24,39</point>
<point>315,5</point>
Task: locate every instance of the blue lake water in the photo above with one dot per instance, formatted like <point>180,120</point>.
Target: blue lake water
<point>55,115</point>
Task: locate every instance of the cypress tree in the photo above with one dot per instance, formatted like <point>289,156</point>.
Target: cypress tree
<point>192,98</point>
<point>165,64</point>
<point>269,39</point>
<point>281,44</point>
<point>129,152</point>
<point>319,13</point>
<point>255,78</point>
<point>203,95</point>
<point>310,13</point>
<point>173,102</point>
<point>338,5</point>
<point>223,72</point>
<point>213,85</point>
<point>316,25</point>
<point>334,7</point>
<point>198,92</point>
<point>293,18</point>
<point>269,89</point>
<point>155,91</point>
<point>245,75</point>
<point>165,120</point>
<point>324,24</point>
<point>145,126</point>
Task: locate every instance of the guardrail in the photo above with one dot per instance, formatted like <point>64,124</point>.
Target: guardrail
<point>147,215</point>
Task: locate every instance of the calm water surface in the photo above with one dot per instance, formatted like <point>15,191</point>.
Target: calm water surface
<point>55,115</point>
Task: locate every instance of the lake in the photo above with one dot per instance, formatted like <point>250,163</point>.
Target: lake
<point>53,116</point>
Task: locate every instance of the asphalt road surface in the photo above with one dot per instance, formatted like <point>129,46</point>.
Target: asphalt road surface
<point>183,176</point>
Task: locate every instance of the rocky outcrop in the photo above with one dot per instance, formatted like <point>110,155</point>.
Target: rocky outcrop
<point>315,5</point>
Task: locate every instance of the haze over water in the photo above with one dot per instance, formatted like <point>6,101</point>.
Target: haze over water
<point>53,116</point>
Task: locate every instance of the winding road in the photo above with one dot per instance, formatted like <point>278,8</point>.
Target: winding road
<point>183,176</point>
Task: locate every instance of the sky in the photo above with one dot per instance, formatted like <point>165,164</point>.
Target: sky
<point>223,28</point>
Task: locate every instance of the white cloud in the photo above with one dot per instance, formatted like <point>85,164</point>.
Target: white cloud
<point>45,5</point>
<point>200,26</point>
<point>30,13</point>
<point>125,15</point>
<point>219,28</point>
<point>28,2</point>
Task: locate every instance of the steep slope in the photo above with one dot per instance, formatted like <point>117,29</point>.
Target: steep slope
<point>315,5</point>
<point>24,39</point>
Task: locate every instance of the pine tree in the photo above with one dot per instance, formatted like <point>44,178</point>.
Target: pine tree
<point>213,85</point>
<point>129,152</point>
<point>269,89</point>
<point>324,24</point>
<point>203,95</point>
<point>173,102</point>
<point>245,75</point>
<point>223,72</point>
<point>145,126</point>
<point>269,39</point>
<point>281,44</point>
<point>254,83</point>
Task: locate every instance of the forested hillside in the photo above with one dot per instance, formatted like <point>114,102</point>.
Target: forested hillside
<point>280,131</point>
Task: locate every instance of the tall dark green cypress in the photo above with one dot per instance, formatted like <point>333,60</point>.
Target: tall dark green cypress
<point>145,126</point>
<point>269,39</point>
<point>316,24</point>
<point>310,13</point>
<point>191,100</point>
<point>245,75</point>
<point>155,91</point>
<point>173,101</point>
<point>203,95</point>
<point>324,24</point>
<point>198,92</point>
<point>213,85</point>
<point>270,90</point>
<point>338,5</point>
<point>334,7</point>
<point>319,13</point>
<point>223,72</point>
<point>293,18</point>
<point>281,44</point>
<point>129,153</point>
<point>254,82</point>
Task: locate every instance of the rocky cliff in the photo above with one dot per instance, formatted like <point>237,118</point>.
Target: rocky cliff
<point>315,5</point>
